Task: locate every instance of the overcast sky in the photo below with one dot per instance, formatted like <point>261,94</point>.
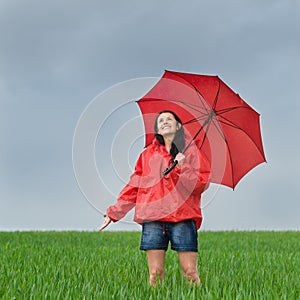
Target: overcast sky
<point>57,57</point>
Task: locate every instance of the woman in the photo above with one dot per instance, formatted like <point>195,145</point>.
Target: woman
<point>167,207</point>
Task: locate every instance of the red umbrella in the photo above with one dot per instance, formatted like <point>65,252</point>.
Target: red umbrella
<point>218,120</point>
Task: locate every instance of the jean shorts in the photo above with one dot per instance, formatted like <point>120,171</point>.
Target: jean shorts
<point>156,235</point>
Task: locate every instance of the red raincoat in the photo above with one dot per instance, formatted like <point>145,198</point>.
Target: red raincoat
<point>171,198</point>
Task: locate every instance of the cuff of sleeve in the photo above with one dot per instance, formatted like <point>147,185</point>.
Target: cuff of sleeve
<point>108,213</point>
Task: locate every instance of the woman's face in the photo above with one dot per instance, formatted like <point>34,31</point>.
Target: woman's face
<point>167,124</point>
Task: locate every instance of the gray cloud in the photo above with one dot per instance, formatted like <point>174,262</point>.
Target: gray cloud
<point>56,56</point>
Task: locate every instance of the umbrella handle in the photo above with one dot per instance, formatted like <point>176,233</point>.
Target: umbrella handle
<point>168,170</point>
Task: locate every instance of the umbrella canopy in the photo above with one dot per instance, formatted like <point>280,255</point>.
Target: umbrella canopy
<point>219,121</point>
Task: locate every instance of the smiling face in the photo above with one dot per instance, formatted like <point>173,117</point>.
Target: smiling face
<point>167,125</point>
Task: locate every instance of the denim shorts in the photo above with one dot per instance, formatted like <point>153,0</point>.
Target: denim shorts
<point>156,235</point>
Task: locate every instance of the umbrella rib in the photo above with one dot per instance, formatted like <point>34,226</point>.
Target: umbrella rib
<point>194,107</point>
<point>225,110</point>
<point>197,91</point>
<point>228,148</point>
<point>217,95</point>
<point>227,122</point>
<point>204,117</point>
<point>233,125</point>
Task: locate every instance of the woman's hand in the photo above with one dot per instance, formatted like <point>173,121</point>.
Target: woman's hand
<point>106,222</point>
<point>180,159</point>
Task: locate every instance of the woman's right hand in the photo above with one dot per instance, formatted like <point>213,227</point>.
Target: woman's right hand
<point>106,222</point>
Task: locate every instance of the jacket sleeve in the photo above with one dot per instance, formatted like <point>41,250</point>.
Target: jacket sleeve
<point>194,175</point>
<point>127,197</point>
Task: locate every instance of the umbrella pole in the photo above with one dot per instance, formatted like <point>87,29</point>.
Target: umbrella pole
<point>211,114</point>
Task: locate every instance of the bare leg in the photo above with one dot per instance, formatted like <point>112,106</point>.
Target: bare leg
<point>156,263</point>
<point>188,263</point>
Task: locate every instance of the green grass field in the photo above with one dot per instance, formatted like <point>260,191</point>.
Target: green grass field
<point>109,265</point>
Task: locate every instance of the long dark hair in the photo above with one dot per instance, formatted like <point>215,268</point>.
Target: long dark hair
<point>178,141</point>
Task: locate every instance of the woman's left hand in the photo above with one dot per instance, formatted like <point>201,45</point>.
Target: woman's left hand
<point>180,158</point>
